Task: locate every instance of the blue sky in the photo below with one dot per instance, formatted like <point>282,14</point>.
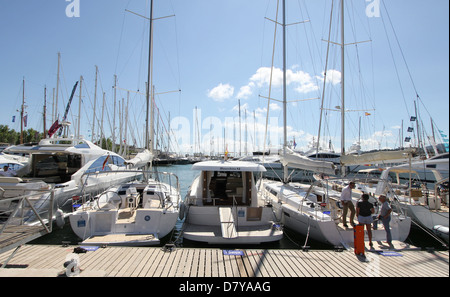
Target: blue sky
<point>219,52</point>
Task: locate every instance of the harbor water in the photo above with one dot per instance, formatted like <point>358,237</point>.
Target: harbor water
<point>291,239</point>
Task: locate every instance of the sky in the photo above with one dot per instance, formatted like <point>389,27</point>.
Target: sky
<point>212,56</point>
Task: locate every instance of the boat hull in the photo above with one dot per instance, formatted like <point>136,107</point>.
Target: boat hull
<point>145,222</point>
<point>328,232</point>
<point>203,224</point>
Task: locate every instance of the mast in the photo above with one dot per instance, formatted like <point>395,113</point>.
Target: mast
<point>95,104</point>
<point>149,143</point>
<point>101,122</point>
<point>79,110</point>
<point>22,110</point>
<point>57,88</point>
<point>342,81</point>
<point>285,168</point>
<point>240,130</point>
<point>114,116</point>
<point>45,109</point>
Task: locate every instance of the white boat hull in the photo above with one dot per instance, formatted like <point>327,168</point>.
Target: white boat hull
<point>326,231</point>
<point>203,225</point>
<point>94,227</point>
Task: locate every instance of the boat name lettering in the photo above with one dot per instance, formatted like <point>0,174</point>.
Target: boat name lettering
<point>231,168</point>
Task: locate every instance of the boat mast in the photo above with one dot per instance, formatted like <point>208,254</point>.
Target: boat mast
<point>342,81</point>
<point>45,110</point>
<point>95,104</point>
<point>57,88</point>
<point>285,168</point>
<point>79,109</point>
<point>149,143</point>
<point>342,87</point>
<point>22,109</point>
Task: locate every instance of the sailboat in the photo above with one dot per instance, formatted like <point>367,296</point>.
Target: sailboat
<point>136,213</point>
<point>313,209</point>
<point>428,208</point>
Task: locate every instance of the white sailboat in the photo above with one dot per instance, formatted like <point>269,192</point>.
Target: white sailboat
<point>223,206</point>
<point>427,207</point>
<point>137,213</point>
<point>313,210</point>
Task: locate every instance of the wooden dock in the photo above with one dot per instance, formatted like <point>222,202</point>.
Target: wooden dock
<point>14,236</point>
<point>46,260</point>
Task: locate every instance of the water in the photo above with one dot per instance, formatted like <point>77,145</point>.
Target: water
<point>291,239</point>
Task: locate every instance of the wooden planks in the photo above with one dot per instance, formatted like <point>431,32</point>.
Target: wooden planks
<point>212,262</point>
<point>14,236</point>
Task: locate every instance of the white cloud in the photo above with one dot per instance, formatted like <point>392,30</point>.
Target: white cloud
<point>333,76</point>
<point>245,91</point>
<point>221,92</point>
<point>304,81</point>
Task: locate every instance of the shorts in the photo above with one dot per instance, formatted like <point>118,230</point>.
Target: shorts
<point>365,220</point>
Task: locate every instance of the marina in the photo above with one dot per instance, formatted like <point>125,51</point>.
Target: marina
<point>139,188</point>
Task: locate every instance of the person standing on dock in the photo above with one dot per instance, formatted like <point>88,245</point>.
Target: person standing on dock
<point>346,199</point>
<point>364,211</point>
<point>385,217</point>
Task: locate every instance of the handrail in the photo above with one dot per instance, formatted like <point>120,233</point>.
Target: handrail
<point>143,172</point>
<point>139,174</point>
<point>22,200</point>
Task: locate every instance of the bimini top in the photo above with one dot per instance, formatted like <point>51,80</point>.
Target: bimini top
<point>222,165</point>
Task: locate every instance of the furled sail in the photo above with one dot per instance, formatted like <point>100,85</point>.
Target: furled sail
<point>295,160</point>
<point>141,159</point>
<point>377,157</point>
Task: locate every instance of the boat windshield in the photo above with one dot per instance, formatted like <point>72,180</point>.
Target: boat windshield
<point>100,165</point>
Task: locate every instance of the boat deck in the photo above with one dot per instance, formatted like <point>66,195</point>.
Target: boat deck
<point>44,260</point>
<point>122,240</point>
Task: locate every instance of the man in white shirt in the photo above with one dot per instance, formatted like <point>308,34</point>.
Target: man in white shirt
<point>346,200</point>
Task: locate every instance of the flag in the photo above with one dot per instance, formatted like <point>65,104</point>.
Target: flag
<point>14,119</point>
<point>413,119</point>
<point>410,129</point>
<point>226,153</point>
<point>295,143</point>
<point>104,162</point>
<point>25,120</point>
<point>368,114</point>
<point>407,139</point>
<point>53,128</point>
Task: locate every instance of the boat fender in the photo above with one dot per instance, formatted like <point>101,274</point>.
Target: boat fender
<point>59,218</point>
<point>182,211</point>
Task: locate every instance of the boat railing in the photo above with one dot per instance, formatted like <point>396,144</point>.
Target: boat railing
<point>334,184</point>
<point>22,210</point>
<point>133,175</point>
